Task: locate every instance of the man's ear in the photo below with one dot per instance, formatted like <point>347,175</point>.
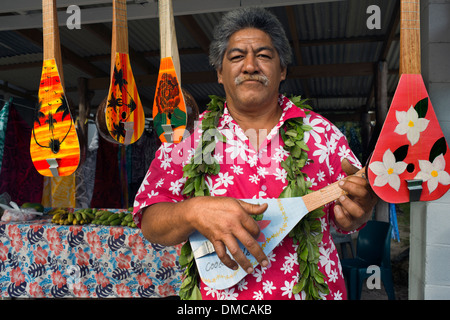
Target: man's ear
<point>219,76</point>
<point>283,73</point>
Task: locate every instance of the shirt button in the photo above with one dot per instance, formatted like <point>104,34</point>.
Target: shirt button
<point>263,187</point>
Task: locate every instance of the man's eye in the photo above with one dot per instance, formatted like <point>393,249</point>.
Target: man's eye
<point>235,58</point>
<point>264,56</point>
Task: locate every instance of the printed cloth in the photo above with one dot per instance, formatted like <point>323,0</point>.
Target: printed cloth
<point>246,173</point>
<point>41,259</point>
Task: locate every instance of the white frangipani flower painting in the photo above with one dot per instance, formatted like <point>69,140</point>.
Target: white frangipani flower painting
<point>410,124</point>
<point>433,173</point>
<point>388,170</point>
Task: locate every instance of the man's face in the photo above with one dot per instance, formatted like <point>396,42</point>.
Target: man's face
<point>251,72</point>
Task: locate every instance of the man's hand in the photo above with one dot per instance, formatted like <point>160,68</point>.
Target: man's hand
<point>224,221</point>
<point>354,209</point>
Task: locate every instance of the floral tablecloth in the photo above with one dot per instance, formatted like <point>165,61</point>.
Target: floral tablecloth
<point>41,259</point>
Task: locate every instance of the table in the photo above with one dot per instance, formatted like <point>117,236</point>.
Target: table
<point>42,259</point>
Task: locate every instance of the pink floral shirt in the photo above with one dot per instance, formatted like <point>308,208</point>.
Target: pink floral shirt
<point>246,173</point>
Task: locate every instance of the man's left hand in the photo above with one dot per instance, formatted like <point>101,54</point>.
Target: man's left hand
<point>355,208</point>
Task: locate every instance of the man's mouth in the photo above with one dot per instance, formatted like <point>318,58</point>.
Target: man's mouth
<point>255,77</point>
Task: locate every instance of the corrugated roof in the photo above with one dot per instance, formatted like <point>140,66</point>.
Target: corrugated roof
<point>316,23</point>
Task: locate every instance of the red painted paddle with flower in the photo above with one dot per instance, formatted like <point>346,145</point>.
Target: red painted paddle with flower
<point>411,151</point>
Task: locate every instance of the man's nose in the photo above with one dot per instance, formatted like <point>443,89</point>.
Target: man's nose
<point>250,64</point>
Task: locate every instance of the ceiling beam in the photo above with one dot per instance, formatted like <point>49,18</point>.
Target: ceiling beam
<point>35,36</point>
<point>299,72</point>
<point>148,9</point>
<point>296,44</point>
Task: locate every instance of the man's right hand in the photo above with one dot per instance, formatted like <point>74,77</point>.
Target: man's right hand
<point>223,221</point>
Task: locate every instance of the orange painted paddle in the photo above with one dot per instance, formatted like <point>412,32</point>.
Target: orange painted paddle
<point>410,161</point>
<point>169,106</point>
<point>54,145</point>
<point>123,112</point>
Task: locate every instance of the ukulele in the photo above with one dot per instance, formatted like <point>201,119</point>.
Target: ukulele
<point>281,216</point>
<point>410,161</point>
<point>123,113</point>
<point>169,106</point>
<point>54,145</point>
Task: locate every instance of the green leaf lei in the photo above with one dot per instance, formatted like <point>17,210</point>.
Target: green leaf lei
<point>307,233</point>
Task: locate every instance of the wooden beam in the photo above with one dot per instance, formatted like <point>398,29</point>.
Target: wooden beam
<point>136,11</point>
<point>387,42</point>
<point>196,32</point>
<point>35,36</point>
<point>296,43</point>
<point>300,72</point>
<point>104,34</point>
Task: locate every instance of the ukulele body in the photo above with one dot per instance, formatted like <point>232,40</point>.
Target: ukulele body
<point>411,147</point>
<point>54,145</point>
<point>124,114</point>
<point>169,107</point>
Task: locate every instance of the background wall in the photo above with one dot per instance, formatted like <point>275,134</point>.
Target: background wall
<point>429,268</point>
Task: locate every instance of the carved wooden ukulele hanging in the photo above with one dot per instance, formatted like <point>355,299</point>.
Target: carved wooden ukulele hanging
<point>123,111</point>
<point>411,155</point>
<point>169,106</point>
<point>54,146</point>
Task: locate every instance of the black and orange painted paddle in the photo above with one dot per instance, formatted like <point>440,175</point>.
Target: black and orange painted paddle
<point>411,159</point>
<point>169,106</point>
<point>54,145</point>
<point>122,112</point>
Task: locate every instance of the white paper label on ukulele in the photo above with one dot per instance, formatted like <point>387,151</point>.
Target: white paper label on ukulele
<point>279,219</point>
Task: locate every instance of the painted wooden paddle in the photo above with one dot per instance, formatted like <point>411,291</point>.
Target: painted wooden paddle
<point>123,112</point>
<point>279,219</point>
<point>54,145</point>
<point>169,106</point>
<point>410,161</point>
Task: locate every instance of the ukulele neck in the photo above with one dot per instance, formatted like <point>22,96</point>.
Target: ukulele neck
<point>327,194</point>
<point>119,29</point>
<point>168,35</point>
<point>50,32</point>
<point>410,37</point>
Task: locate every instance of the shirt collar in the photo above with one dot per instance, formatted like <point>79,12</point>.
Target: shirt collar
<point>290,111</point>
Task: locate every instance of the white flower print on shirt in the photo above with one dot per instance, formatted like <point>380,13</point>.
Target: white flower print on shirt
<point>258,295</point>
<point>280,174</point>
<point>325,260</point>
<point>316,131</point>
<point>268,286</point>
<point>254,178</point>
<point>237,169</point>
<point>225,179</point>
<point>152,194</point>
<point>175,186</point>
<point>214,189</point>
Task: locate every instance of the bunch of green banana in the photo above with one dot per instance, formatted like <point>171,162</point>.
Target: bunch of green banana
<point>109,218</point>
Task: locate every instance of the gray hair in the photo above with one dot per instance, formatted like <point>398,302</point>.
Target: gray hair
<point>243,18</point>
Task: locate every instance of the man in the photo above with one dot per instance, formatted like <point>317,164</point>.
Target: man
<point>250,53</point>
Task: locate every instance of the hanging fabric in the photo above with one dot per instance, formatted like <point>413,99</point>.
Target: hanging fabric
<point>18,176</point>
<point>107,190</point>
<point>4,113</point>
<point>85,175</point>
